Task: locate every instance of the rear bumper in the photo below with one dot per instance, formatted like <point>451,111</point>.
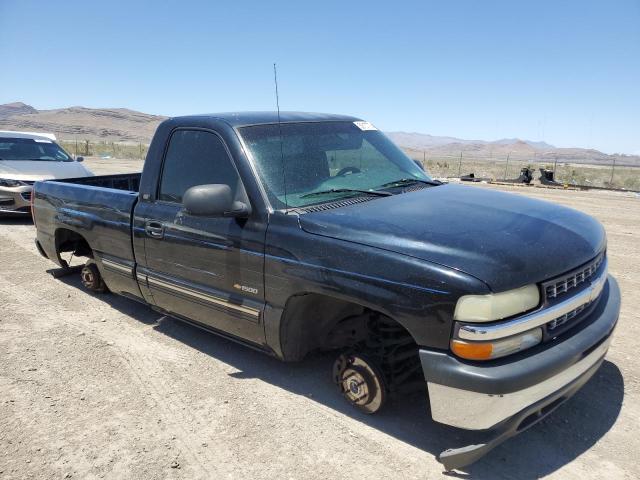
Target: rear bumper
<point>15,200</point>
<point>474,396</point>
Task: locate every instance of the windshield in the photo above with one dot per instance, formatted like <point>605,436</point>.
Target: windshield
<point>329,160</point>
<point>30,149</point>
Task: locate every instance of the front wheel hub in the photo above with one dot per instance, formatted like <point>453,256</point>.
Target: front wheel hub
<point>360,382</point>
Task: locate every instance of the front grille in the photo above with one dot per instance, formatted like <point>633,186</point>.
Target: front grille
<point>563,284</point>
<point>563,319</point>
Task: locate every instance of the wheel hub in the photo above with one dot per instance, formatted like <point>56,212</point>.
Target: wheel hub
<point>359,382</point>
<point>87,276</point>
<point>355,386</point>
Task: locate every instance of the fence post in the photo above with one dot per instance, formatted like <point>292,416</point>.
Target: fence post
<point>506,166</point>
<point>613,167</point>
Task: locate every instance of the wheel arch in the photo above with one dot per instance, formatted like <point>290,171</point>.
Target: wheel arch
<point>310,319</point>
<point>67,240</point>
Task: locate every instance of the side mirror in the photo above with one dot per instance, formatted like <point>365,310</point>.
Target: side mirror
<point>79,159</point>
<point>213,200</point>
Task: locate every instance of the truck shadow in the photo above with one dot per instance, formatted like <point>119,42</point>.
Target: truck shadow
<point>560,438</point>
<point>8,219</point>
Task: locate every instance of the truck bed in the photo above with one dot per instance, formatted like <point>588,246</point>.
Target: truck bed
<point>124,181</point>
<point>98,209</point>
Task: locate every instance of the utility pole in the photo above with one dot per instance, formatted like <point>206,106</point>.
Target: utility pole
<point>460,165</point>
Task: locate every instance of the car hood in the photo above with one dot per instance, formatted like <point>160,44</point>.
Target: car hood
<point>504,239</point>
<point>41,170</point>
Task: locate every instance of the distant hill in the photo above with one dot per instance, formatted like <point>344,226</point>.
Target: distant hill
<point>420,144</point>
<point>420,141</point>
<point>124,125</point>
<point>95,124</point>
<point>16,108</point>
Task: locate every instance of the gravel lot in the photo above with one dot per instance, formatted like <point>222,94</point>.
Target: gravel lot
<point>95,386</point>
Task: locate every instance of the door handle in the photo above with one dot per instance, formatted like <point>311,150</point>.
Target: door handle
<point>154,229</point>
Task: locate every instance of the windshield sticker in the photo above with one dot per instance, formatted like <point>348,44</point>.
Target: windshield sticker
<point>42,140</point>
<point>364,126</point>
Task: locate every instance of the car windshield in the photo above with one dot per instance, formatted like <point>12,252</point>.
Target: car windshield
<point>31,149</point>
<point>318,162</point>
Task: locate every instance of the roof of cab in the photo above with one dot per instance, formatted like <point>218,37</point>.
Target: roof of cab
<point>30,135</point>
<point>238,119</point>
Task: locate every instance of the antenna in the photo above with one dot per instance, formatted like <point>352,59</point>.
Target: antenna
<point>284,176</point>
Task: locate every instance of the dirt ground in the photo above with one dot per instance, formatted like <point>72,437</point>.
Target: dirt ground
<point>98,386</point>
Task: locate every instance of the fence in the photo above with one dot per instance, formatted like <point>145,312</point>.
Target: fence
<point>566,172</point>
<point>87,148</point>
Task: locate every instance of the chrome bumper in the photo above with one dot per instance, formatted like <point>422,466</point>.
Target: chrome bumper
<point>478,396</point>
<point>479,411</point>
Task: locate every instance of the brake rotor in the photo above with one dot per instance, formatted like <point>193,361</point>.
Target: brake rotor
<point>88,277</point>
<point>360,382</point>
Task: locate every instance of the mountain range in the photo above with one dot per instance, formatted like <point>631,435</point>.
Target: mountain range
<point>130,126</point>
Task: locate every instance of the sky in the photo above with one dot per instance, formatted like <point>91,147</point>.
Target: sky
<point>566,72</point>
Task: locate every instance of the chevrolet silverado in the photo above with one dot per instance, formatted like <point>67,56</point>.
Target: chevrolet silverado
<point>299,232</point>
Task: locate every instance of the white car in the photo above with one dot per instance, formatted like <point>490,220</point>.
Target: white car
<point>26,158</point>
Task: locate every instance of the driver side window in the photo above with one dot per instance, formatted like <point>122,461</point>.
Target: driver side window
<point>195,157</point>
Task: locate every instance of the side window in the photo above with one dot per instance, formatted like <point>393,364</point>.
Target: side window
<point>194,158</point>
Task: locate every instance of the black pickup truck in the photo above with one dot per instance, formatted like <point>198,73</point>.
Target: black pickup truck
<point>306,232</point>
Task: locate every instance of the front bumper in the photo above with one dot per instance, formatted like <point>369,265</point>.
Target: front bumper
<point>504,397</point>
<point>16,200</point>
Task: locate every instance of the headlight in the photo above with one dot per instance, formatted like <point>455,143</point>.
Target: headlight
<point>6,182</point>
<point>496,348</point>
<point>496,306</point>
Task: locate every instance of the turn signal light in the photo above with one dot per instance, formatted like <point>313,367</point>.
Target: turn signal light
<point>496,348</point>
<point>472,351</point>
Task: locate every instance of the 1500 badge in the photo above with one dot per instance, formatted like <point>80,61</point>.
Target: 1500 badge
<point>244,288</point>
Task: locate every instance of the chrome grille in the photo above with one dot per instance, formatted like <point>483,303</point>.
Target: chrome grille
<point>561,320</point>
<point>563,284</point>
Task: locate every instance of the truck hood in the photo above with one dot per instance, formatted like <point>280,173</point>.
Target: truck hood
<point>503,239</point>
<point>41,170</point>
